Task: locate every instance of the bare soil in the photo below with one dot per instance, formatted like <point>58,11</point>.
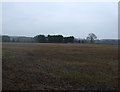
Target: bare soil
<point>37,66</point>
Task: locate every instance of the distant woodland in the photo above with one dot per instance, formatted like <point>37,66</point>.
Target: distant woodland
<point>91,38</point>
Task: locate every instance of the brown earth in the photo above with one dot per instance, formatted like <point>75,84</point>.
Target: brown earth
<point>32,66</point>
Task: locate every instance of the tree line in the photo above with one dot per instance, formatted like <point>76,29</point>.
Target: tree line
<point>53,39</point>
<point>50,39</point>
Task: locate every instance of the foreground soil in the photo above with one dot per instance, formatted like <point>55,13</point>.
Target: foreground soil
<point>32,66</point>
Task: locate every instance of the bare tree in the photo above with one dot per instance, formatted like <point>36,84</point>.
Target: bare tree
<point>91,37</point>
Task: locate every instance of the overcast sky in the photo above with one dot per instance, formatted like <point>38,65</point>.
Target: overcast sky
<point>76,19</point>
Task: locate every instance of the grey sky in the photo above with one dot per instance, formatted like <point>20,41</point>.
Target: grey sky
<point>77,19</point>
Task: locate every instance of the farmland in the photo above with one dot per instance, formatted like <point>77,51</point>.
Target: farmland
<point>45,66</point>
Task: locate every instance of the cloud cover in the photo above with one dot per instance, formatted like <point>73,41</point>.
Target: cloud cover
<point>65,18</point>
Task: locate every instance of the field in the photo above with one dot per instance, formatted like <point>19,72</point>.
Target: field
<point>0,66</point>
<point>34,66</point>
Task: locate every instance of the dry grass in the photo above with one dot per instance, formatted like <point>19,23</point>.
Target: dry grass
<point>59,66</point>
